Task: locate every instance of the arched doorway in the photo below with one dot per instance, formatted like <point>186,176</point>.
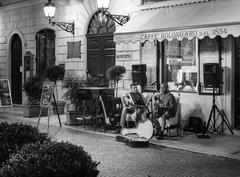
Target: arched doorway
<point>45,51</point>
<point>100,45</point>
<point>16,72</point>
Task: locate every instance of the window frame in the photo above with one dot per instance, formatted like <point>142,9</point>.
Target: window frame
<point>164,65</point>
<point>209,91</point>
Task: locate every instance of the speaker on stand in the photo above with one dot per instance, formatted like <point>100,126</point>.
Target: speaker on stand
<point>212,79</point>
<point>139,74</point>
<point>211,75</point>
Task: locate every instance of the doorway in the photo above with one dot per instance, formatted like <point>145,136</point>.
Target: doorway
<point>16,69</point>
<point>45,51</point>
<point>100,45</point>
<point>237,84</point>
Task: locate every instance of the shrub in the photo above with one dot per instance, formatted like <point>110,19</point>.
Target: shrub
<point>14,136</point>
<point>72,82</point>
<point>50,159</point>
<point>33,89</point>
<point>55,73</point>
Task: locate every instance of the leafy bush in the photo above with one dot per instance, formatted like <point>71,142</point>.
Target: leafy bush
<point>115,73</point>
<point>33,90</point>
<point>55,73</point>
<point>14,136</point>
<point>50,159</point>
<point>72,82</point>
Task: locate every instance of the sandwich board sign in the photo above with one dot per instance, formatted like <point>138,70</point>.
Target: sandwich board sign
<point>47,93</point>
<point>5,94</point>
<point>46,100</point>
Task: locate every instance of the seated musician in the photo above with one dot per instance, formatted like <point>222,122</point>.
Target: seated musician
<point>164,108</point>
<point>131,111</point>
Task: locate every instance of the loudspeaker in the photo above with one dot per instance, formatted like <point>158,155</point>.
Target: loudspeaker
<point>139,74</point>
<point>211,75</point>
<point>140,68</point>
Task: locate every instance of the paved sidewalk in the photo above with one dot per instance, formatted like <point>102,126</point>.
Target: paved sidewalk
<point>219,145</point>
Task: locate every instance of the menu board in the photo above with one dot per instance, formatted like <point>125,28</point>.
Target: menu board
<point>47,92</point>
<point>5,93</point>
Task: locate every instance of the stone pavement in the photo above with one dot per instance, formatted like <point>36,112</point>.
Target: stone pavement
<point>219,145</point>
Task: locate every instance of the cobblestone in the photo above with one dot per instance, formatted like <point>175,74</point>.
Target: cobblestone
<point>119,160</point>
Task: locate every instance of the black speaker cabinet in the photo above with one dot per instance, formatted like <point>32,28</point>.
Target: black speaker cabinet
<point>211,75</point>
<point>140,68</point>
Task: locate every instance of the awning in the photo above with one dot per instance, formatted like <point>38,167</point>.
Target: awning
<point>212,18</point>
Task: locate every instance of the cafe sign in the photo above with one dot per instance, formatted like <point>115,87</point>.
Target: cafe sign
<point>189,34</point>
<point>169,35</point>
<point>123,55</point>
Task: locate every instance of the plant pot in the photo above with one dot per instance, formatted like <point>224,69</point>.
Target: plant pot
<point>70,118</point>
<point>60,106</point>
<point>33,111</point>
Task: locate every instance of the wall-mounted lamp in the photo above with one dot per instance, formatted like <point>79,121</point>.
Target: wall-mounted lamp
<point>119,19</point>
<point>49,11</point>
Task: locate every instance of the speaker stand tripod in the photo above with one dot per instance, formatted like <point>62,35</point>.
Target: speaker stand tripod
<point>212,117</point>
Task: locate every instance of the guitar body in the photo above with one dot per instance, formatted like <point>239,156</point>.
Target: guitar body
<point>143,130</point>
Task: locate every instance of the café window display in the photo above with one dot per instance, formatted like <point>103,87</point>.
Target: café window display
<point>180,65</point>
<point>149,58</point>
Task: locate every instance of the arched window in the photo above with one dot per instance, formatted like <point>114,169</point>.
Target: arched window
<point>100,24</point>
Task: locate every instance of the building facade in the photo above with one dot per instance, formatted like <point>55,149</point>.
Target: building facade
<point>191,44</point>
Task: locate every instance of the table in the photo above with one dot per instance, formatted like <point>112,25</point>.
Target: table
<point>101,97</point>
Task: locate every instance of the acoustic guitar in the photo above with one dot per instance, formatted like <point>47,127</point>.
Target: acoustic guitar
<point>107,119</point>
<point>143,130</point>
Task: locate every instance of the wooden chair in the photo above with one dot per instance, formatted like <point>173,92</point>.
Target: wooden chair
<point>174,122</point>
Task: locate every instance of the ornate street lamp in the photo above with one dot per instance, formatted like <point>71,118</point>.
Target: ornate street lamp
<point>49,11</point>
<point>119,19</point>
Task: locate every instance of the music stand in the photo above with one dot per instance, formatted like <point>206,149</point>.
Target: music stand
<point>212,117</point>
<point>137,99</point>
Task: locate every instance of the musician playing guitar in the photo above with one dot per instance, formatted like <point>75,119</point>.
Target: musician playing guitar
<point>164,107</point>
<point>130,110</point>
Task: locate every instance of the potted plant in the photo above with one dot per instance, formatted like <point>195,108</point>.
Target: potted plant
<point>56,73</point>
<point>115,74</point>
<point>33,89</point>
<point>71,83</point>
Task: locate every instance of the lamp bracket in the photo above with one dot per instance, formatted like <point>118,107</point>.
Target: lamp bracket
<point>69,27</point>
<point>119,19</point>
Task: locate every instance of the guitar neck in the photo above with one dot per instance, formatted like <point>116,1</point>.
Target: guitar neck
<point>104,110</point>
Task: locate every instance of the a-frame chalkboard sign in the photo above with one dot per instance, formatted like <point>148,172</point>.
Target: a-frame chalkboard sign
<point>5,94</point>
<point>46,100</point>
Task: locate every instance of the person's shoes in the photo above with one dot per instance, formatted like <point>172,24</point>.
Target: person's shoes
<point>118,130</point>
<point>160,136</point>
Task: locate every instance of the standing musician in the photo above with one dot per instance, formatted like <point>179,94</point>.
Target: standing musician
<point>164,108</point>
<point>130,110</point>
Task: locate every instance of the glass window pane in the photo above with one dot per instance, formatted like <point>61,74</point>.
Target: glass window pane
<point>149,58</point>
<point>181,65</point>
<point>209,53</point>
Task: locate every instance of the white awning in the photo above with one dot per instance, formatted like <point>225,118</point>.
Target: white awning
<point>212,18</point>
